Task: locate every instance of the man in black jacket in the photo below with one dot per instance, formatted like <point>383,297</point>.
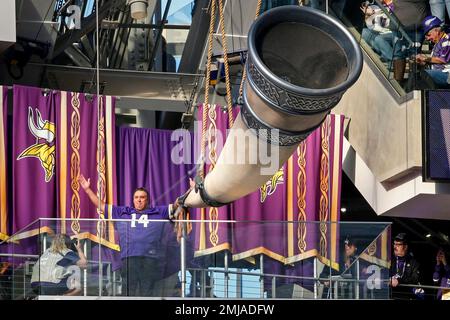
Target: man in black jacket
<point>404,270</point>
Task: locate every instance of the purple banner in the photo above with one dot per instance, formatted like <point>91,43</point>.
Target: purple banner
<point>304,192</point>
<point>82,133</point>
<point>57,135</point>
<point>34,155</point>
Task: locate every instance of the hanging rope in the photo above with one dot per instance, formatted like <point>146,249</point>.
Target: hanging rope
<point>244,74</point>
<point>225,62</point>
<point>212,22</point>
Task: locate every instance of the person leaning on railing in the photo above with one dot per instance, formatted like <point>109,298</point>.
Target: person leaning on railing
<point>404,269</point>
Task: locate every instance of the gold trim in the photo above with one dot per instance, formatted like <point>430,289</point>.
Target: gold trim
<point>3,237</point>
<point>202,240</point>
<point>302,256</point>
<point>335,186</point>
<point>101,164</point>
<point>31,233</point>
<point>94,238</point>
<point>301,197</point>
<point>251,260</point>
<point>63,162</point>
<point>384,245</point>
<point>75,163</point>
<point>324,187</point>
<point>109,151</point>
<point>375,260</point>
<point>258,250</point>
<point>3,174</point>
<point>327,262</point>
<point>290,206</point>
<point>212,145</point>
<point>215,249</point>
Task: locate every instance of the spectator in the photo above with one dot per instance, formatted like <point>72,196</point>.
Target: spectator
<point>440,56</point>
<point>52,273</point>
<point>377,33</point>
<point>438,8</point>
<point>140,241</point>
<point>410,13</point>
<point>404,269</point>
<point>441,275</point>
<point>347,270</point>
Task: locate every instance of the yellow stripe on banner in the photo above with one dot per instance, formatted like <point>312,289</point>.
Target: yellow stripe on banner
<point>202,244</point>
<point>63,162</point>
<point>259,250</point>
<point>335,187</point>
<point>302,256</point>
<point>31,233</point>
<point>374,260</point>
<point>95,238</point>
<point>3,207</point>
<point>384,245</point>
<point>109,163</point>
<point>290,205</point>
<point>220,247</point>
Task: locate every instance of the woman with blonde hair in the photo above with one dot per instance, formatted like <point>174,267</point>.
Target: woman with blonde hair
<point>55,273</point>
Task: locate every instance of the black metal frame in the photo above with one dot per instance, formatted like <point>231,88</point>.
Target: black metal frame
<point>426,177</point>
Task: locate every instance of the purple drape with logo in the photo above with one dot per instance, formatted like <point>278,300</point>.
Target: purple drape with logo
<point>34,156</point>
<point>306,189</point>
<point>56,138</point>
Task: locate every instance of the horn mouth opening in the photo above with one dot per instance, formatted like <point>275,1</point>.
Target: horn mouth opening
<point>304,51</point>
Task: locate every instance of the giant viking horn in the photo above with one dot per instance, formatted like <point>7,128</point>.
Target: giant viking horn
<point>300,63</point>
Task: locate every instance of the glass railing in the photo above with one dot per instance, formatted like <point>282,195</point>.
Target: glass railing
<point>388,43</point>
<point>209,259</point>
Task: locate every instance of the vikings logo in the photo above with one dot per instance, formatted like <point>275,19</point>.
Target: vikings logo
<point>44,148</point>
<point>271,186</point>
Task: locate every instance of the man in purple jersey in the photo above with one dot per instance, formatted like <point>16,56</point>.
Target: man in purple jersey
<point>140,240</point>
<point>439,61</point>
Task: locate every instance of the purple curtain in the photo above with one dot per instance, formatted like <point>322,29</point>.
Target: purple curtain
<point>160,161</point>
<point>149,158</point>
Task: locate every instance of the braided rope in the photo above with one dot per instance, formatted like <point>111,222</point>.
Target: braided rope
<point>244,74</point>
<point>225,62</point>
<point>212,22</point>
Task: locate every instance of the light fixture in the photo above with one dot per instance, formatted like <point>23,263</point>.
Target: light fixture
<point>343,209</point>
<point>138,9</point>
<point>428,235</point>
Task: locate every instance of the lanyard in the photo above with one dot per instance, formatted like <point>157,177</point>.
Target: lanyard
<point>403,269</point>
